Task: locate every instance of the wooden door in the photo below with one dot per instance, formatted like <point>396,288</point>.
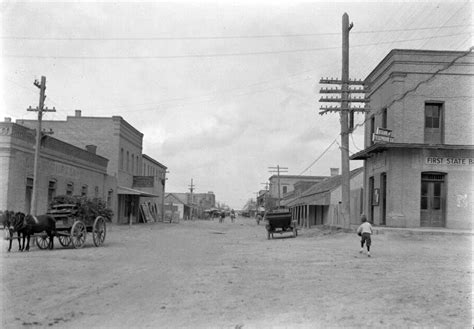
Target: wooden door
<point>433,196</point>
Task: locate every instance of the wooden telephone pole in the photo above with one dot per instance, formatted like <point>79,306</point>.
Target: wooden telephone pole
<point>40,109</point>
<point>278,170</point>
<point>346,113</point>
<point>191,189</point>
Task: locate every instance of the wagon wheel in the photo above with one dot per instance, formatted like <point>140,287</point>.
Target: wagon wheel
<point>98,231</point>
<point>78,234</point>
<point>64,240</point>
<point>42,241</point>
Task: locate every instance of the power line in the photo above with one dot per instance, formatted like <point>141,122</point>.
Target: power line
<point>258,36</point>
<point>319,157</point>
<point>396,100</point>
<point>224,54</point>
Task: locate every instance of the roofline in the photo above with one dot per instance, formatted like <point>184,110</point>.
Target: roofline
<point>352,173</point>
<point>299,176</point>
<point>113,118</point>
<point>395,51</point>
<point>154,161</point>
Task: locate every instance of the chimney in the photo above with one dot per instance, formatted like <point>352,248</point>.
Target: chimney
<point>78,113</point>
<point>334,171</point>
<point>91,148</point>
<point>7,119</point>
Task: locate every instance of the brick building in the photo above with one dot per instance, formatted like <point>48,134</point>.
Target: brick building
<point>418,152</point>
<point>286,184</point>
<point>152,180</point>
<point>63,168</point>
<point>119,142</point>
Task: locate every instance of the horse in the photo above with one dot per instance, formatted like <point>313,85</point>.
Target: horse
<point>9,224</point>
<point>27,225</point>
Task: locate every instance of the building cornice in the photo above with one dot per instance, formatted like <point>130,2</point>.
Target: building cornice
<point>381,147</point>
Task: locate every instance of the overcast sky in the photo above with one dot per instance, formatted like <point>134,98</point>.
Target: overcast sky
<point>220,91</point>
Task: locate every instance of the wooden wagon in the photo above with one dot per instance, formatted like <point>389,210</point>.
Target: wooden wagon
<point>280,221</point>
<point>72,228</point>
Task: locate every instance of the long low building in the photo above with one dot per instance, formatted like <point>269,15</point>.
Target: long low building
<point>64,170</point>
<point>320,204</point>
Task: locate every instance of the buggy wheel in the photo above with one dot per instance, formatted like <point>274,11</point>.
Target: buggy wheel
<point>78,234</point>
<point>64,240</point>
<point>98,231</point>
<point>42,241</point>
<point>268,235</point>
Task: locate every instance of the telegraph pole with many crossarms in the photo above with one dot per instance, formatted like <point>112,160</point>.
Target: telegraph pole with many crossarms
<point>346,113</point>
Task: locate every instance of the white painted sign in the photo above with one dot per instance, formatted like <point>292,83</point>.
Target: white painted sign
<point>453,161</point>
<point>382,138</point>
<point>382,135</point>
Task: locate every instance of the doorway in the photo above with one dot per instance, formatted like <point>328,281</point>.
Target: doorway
<point>383,209</point>
<point>433,196</point>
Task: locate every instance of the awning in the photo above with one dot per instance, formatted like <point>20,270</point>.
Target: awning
<point>130,191</point>
<point>318,199</point>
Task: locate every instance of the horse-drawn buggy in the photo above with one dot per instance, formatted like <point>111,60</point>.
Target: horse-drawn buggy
<point>72,227</point>
<point>280,221</point>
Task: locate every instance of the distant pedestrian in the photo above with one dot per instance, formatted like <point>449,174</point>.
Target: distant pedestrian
<point>365,232</point>
<point>221,219</point>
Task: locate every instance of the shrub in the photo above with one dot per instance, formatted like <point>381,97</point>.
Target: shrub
<point>87,208</point>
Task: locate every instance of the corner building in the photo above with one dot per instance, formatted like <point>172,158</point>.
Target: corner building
<point>422,176</point>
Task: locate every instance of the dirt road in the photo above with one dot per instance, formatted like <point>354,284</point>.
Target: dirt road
<point>204,274</point>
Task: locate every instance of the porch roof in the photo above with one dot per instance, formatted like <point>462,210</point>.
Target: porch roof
<point>380,147</point>
<point>130,191</point>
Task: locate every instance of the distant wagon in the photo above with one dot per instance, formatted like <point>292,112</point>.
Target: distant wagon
<point>280,221</point>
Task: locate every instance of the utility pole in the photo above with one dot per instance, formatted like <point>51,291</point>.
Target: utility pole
<point>163,181</point>
<point>40,109</point>
<point>346,114</point>
<point>278,170</point>
<point>256,203</point>
<point>191,189</point>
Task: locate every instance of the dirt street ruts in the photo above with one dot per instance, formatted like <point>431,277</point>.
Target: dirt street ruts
<point>203,274</point>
